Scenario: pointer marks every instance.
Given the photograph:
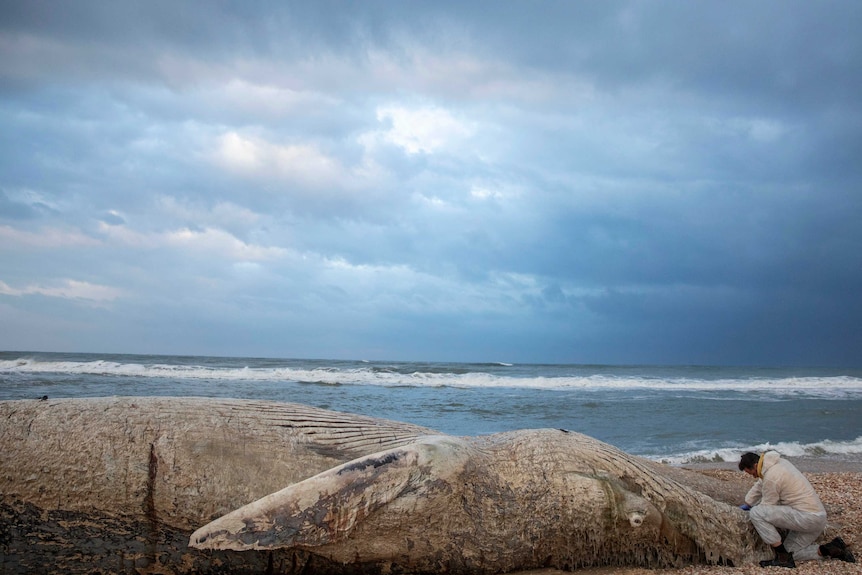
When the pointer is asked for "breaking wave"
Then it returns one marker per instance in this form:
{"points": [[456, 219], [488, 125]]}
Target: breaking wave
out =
{"points": [[496, 375], [819, 449]]}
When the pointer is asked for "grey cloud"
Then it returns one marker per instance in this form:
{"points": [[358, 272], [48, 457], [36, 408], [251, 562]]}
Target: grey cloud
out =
{"points": [[624, 181], [16, 209]]}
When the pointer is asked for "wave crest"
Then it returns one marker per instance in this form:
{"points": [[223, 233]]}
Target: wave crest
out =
{"points": [[448, 375]]}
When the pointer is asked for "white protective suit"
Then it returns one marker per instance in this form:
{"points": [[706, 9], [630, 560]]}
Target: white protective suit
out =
{"points": [[783, 498]]}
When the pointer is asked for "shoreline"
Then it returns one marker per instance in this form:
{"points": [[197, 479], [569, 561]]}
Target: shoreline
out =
{"points": [[849, 463]]}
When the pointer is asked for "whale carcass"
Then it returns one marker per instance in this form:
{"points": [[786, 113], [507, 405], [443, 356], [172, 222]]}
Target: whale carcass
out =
{"points": [[120, 484]]}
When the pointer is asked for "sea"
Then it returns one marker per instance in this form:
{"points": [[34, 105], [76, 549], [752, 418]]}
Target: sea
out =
{"points": [[673, 414]]}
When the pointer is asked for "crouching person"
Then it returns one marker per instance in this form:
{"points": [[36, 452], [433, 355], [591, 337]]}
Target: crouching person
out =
{"points": [[782, 498]]}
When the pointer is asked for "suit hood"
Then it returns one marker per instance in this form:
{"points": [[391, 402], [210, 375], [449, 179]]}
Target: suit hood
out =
{"points": [[767, 460]]}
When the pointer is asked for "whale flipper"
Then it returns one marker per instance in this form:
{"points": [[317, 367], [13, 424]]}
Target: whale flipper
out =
{"points": [[325, 508]]}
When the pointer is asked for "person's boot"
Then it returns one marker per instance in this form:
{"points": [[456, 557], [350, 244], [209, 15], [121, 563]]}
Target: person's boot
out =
{"points": [[783, 558], [837, 549]]}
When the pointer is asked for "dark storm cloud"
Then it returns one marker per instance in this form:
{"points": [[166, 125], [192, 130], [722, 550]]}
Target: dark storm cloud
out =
{"points": [[558, 181]]}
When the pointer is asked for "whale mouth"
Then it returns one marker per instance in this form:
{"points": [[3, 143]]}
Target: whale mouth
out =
{"points": [[199, 541], [204, 538]]}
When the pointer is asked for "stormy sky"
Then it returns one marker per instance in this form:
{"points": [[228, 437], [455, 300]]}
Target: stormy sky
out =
{"points": [[560, 182]]}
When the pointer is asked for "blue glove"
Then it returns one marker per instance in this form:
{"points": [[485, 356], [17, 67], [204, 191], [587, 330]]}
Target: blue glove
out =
{"points": [[745, 507]]}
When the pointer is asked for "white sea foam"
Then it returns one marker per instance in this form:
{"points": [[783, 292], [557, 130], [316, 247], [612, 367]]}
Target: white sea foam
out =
{"points": [[817, 449], [816, 386]]}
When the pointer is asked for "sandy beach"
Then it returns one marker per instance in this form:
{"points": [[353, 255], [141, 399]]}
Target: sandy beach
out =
{"points": [[839, 484]]}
